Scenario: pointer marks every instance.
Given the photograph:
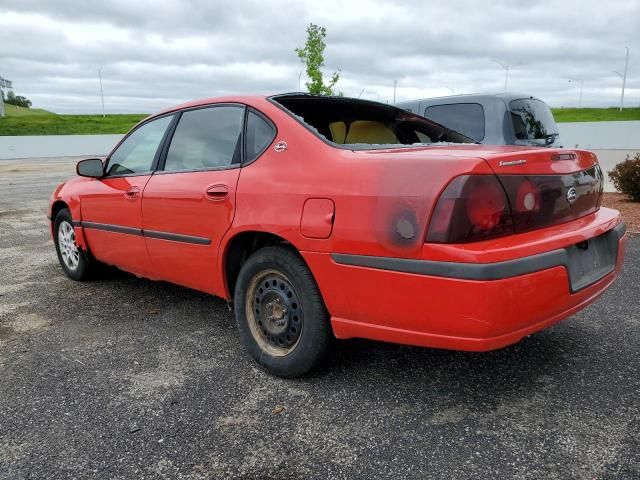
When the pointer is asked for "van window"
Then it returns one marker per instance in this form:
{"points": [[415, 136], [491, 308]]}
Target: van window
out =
{"points": [[532, 120], [466, 118]]}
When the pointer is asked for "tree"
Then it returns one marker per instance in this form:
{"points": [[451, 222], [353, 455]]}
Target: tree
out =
{"points": [[312, 56], [18, 100]]}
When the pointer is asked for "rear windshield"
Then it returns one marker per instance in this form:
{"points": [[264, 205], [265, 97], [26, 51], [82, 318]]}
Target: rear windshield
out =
{"points": [[361, 124], [466, 118], [532, 120]]}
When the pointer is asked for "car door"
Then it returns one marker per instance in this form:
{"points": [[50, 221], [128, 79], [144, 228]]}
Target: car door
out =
{"points": [[111, 206], [188, 204]]}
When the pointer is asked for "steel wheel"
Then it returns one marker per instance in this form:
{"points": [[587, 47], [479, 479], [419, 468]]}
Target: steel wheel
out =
{"points": [[274, 313], [67, 245]]}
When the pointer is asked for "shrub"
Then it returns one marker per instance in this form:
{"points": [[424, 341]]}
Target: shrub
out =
{"points": [[626, 177]]}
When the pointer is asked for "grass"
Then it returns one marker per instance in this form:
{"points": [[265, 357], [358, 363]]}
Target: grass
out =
{"points": [[34, 121], [595, 114]]}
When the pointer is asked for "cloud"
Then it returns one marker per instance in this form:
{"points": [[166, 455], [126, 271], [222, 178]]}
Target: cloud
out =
{"points": [[157, 53]]}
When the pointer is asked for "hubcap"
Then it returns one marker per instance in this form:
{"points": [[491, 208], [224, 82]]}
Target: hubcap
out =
{"points": [[67, 245], [274, 312]]}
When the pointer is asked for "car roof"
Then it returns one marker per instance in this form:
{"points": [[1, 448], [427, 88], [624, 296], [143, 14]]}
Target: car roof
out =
{"points": [[473, 98], [246, 99]]}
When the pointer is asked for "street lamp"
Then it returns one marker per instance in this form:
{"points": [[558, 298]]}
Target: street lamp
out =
{"points": [[623, 77], [506, 67], [581, 80], [101, 94]]}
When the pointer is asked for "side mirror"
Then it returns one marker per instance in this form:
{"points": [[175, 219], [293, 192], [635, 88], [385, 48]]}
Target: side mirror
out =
{"points": [[91, 167]]}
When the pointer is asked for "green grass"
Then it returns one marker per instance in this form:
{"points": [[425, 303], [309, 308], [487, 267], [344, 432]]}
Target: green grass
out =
{"points": [[595, 114], [23, 121], [35, 121]]}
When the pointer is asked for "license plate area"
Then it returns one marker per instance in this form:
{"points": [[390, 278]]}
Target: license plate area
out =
{"points": [[591, 260]]}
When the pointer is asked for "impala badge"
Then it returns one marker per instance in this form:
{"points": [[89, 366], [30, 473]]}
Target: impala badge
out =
{"points": [[572, 194], [280, 146], [511, 162]]}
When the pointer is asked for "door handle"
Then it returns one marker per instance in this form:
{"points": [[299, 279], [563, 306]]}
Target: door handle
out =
{"points": [[217, 192], [132, 193]]}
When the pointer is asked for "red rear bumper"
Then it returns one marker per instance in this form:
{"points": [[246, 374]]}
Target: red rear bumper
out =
{"points": [[458, 313]]}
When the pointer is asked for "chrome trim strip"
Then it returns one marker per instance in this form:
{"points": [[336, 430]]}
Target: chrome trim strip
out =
{"points": [[173, 237]]}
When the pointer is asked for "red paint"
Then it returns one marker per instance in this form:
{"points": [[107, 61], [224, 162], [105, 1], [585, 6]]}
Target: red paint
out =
{"points": [[325, 200]]}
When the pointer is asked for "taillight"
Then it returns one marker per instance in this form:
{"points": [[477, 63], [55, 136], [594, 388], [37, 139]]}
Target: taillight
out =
{"points": [[538, 201], [477, 207], [471, 208]]}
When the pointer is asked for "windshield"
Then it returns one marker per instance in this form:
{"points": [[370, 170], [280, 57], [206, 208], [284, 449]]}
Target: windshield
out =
{"points": [[361, 124], [532, 120]]}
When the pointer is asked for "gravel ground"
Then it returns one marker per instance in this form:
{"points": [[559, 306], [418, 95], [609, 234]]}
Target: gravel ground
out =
{"points": [[127, 378]]}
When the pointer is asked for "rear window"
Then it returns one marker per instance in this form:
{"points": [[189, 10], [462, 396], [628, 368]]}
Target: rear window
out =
{"points": [[532, 120], [466, 118], [362, 124]]}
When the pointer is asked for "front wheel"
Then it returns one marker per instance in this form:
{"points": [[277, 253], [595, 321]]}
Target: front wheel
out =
{"points": [[280, 313], [73, 260]]}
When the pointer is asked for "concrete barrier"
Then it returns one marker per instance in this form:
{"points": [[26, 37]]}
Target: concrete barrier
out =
{"points": [[100, 145], [601, 135], [56, 145]]}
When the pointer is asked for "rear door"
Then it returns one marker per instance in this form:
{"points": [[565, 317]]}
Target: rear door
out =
{"points": [[111, 207], [188, 204]]}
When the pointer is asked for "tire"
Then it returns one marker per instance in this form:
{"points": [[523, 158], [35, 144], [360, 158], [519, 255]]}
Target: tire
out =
{"points": [[280, 313], [74, 261]]}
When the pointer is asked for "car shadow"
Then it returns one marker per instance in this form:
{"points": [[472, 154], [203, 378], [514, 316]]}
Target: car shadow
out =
{"points": [[538, 361]]}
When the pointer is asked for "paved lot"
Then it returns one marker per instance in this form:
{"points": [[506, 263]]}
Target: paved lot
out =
{"points": [[127, 378]]}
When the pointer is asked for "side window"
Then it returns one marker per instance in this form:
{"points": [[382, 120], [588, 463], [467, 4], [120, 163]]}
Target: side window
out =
{"points": [[464, 118], [136, 153], [260, 134], [206, 138]]}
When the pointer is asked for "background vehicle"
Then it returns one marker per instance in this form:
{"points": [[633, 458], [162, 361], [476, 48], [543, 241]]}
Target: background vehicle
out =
{"points": [[501, 119], [323, 216]]}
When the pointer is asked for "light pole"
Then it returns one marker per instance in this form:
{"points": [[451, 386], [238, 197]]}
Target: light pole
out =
{"points": [[506, 67], [101, 94], [450, 89], [581, 80], [624, 77], [395, 84]]}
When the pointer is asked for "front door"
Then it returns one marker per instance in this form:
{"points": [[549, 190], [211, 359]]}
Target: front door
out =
{"points": [[111, 207], [188, 204]]}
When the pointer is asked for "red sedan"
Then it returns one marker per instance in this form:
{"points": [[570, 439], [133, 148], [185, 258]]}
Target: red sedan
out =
{"points": [[323, 217]]}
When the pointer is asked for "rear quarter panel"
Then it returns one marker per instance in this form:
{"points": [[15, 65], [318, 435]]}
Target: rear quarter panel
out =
{"points": [[383, 198]]}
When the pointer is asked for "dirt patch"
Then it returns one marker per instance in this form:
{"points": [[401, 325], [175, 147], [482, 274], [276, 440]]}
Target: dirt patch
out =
{"points": [[630, 210], [5, 332], [28, 322]]}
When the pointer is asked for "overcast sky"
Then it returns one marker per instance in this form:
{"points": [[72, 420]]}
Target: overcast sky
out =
{"points": [[158, 53]]}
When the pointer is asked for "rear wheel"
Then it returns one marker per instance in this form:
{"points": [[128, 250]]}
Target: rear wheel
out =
{"points": [[73, 260], [280, 313]]}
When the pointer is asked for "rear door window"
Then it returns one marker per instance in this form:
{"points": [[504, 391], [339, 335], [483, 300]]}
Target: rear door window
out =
{"points": [[532, 120], [260, 134], [465, 118], [206, 139]]}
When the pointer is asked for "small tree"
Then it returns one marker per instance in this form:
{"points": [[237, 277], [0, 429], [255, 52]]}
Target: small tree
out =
{"points": [[18, 100], [312, 56], [626, 177]]}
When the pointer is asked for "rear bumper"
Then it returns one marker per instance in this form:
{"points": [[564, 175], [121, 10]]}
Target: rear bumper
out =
{"points": [[454, 305]]}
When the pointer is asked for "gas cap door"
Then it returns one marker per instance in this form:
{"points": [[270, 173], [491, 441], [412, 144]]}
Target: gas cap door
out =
{"points": [[317, 218]]}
